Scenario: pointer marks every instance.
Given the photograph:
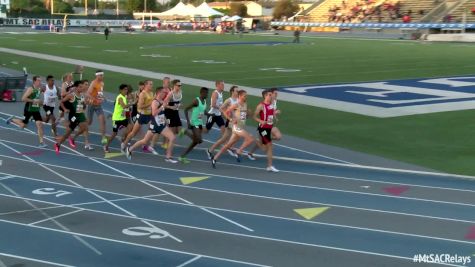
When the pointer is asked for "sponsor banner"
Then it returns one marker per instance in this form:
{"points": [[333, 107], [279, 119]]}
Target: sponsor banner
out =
{"points": [[71, 22], [391, 98]]}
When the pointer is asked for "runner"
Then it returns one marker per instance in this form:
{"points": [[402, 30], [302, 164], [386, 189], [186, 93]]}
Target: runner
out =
{"points": [[276, 134], [95, 97], [195, 125], [228, 126], [215, 117], [49, 103], [76, 116], [32, 100], [157, 126], [134, 98], [240, 113], [119, 117], [171, 109], [65, 88], [144, 108], [264, 115], [166, 91]]}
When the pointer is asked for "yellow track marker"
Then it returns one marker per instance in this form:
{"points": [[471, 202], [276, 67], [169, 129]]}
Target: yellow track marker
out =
{"points": [[190, 180], [311, 213]]}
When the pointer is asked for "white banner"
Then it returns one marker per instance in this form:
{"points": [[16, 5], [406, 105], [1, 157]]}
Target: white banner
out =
{"points": [[70, 22]]}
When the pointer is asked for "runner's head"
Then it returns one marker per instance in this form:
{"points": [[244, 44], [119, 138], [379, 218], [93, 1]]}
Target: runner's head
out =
{"points": [[50, 80], [242, 95], [67, 77], [123, 89], [274, 93], [267, 95], [141, 86], [219, 85], [99, 75], [176, 85], [166, 82], [147, 85], [36, 81], [204, 92], [159, 92], [234, 91], [85, 83]]}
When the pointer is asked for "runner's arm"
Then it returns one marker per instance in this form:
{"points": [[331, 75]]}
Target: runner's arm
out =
{"points": [[192, 105], [257, 114], [27, 94]]}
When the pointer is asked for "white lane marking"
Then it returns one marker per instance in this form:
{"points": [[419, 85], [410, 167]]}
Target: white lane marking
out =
{"points": [[130, 243], [55, 217], [254, 214], [35, 260], [79, 239], [189, 261]]}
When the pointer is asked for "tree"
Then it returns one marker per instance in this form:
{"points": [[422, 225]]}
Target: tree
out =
{"points": [[62, 7], [238, 9], [138, 5], [285, 8], [20, 5]]}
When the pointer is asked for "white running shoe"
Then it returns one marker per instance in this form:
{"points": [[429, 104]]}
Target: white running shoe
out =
{"points": [[128, 154], [88, 147], [231, 153], [271, 169], [42, 145], [151, 149], [209, 154], [250, 156], [170, 160]]}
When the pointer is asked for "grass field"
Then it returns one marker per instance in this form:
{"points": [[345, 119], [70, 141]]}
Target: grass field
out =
{"points": [[442, 141]]}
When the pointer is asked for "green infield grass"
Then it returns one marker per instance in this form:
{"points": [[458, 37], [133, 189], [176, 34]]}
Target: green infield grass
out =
{"points": [[441, 141]]}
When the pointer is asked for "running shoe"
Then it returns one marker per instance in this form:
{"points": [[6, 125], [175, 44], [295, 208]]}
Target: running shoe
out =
{"points": [[181, 132], [238, 157], [170, 160], [271, 169], [42, 145], [106, 149], [151, 149], [56, 148], [128, 154], [250, 156], [9, 120], [231, 153], [183, 160], [104, 140], [122, 148], [213, 162], [209, 154], [88, 147], [71, 142]]}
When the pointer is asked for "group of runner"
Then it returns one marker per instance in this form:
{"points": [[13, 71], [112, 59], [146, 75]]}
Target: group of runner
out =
{"points": [[155, 111]]}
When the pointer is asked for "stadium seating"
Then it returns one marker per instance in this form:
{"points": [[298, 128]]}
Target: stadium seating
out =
{"points": [[457, 14], [416, 8]]}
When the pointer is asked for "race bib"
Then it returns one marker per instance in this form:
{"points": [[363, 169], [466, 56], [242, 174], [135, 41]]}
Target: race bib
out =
{"points": [[243, 115], [48, 112], [270, 119], [73, 119], [35, 105], [264, 133], [80, 108], [200, 116], [161, 120], [150, 126]]}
